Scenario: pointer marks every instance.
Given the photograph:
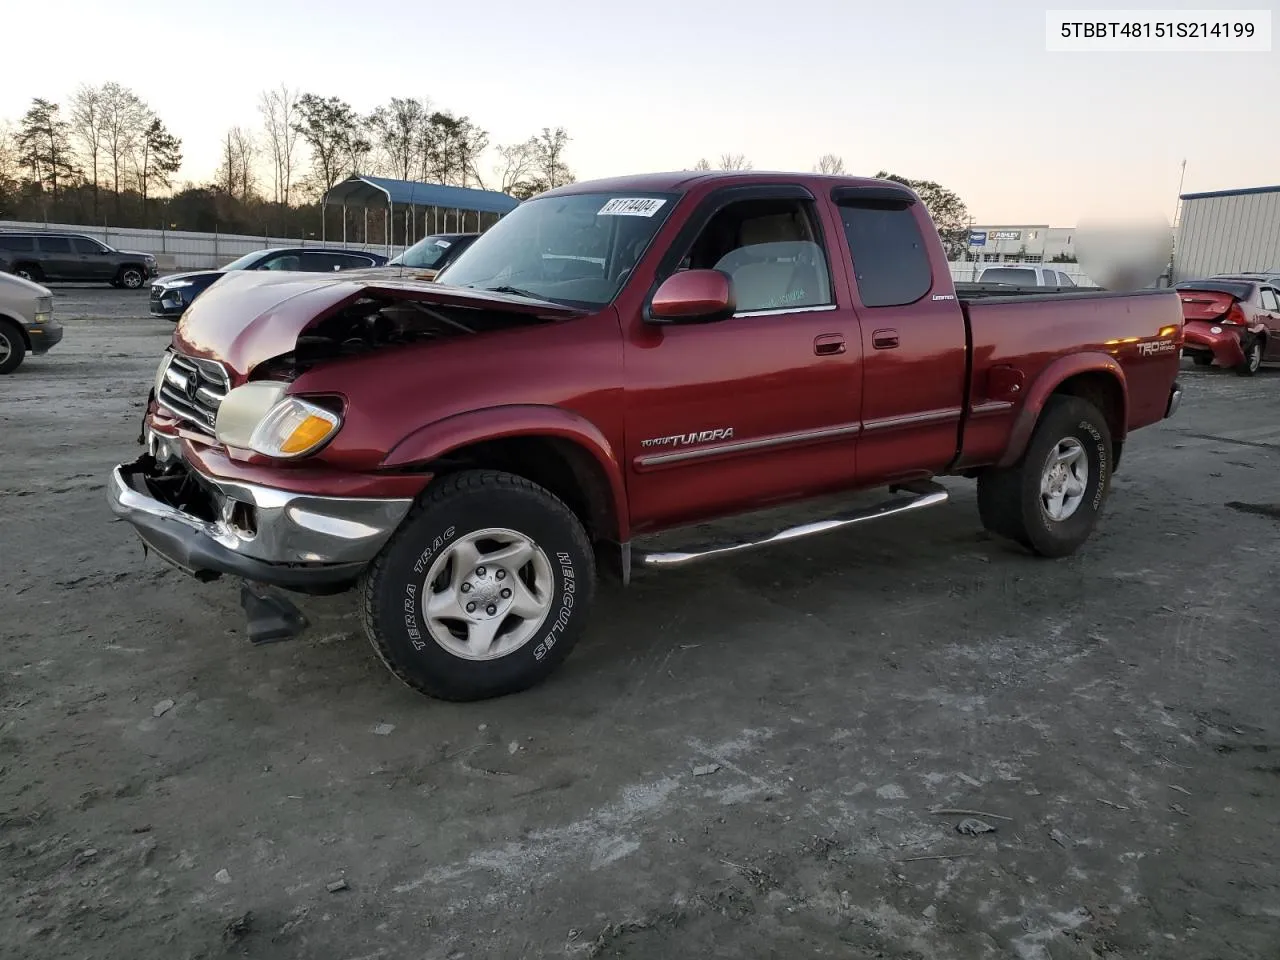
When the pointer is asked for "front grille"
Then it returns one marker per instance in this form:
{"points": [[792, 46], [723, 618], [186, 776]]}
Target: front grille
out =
{"points": [[156, 292], [193, 389]]}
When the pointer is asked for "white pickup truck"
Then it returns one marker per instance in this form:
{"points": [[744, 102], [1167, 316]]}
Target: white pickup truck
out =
{"points": [[1026, 275], [26, 321]]}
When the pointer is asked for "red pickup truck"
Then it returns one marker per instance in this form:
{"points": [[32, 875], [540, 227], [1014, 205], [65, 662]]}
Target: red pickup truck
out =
{"points": [[611, 360]]}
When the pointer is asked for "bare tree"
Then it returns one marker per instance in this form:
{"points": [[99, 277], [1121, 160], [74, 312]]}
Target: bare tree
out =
{"points": [[830, 163], [124, 120], [548, 150], [10, 164], [515, 165], [702, 164], [235, 171], [279, 109], [734, 161], [87, 132]]}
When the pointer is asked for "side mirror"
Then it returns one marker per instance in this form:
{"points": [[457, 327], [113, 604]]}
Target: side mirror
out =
{"points": [[693, 296]]}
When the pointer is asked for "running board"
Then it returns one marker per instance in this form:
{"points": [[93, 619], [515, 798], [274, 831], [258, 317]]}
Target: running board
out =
{"points": [[923, 495]]}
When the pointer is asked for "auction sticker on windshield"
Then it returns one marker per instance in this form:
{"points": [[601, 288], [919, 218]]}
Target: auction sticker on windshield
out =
{"points": [[633, 207]]}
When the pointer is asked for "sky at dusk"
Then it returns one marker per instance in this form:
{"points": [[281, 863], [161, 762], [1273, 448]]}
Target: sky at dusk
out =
{"points": [[964, 94]]}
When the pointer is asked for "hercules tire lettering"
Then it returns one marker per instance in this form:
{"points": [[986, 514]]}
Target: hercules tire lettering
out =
{"points": [[1009, 500], [392, 589]]}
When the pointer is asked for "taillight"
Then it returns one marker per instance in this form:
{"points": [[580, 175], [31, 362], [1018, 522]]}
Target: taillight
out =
{"points": [[1235, 316]]}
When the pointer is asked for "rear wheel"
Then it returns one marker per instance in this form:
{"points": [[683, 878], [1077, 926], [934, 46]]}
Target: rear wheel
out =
{"points": [[28, 271], [12, 347], [1253, 349], [1051, 500], [131, 278], [484, 589]]}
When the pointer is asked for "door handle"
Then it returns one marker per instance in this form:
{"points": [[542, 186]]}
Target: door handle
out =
{"points": [[885, 339], [828, 344]]}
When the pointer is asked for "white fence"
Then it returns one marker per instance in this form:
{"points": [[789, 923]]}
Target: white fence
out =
{"points": [[182, 250]]}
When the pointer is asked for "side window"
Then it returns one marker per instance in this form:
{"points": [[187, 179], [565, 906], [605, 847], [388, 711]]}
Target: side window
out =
{"points": [[317, 263], [55, 244], [1269, 301], [86, 247], [18, 244], [771, 249], [1064, 280], [283, 261], [890, 262], [349, 261]]}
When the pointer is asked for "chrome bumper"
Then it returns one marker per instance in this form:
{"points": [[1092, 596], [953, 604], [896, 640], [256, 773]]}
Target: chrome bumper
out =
{"points": [[260, 533]]}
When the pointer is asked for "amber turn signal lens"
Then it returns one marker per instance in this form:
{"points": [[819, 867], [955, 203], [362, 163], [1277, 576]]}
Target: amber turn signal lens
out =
{"points": [[306, 435]]}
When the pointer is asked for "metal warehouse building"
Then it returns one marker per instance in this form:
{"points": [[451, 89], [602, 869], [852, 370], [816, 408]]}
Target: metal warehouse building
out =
{"points": [[1228, 231]]}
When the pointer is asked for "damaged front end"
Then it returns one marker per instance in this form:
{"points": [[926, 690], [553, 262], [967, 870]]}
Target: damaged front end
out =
{"points": [[247, 473], [210, 528]]}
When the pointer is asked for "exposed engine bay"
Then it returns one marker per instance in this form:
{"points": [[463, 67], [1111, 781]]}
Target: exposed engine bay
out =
{"points": [[380, 320]]}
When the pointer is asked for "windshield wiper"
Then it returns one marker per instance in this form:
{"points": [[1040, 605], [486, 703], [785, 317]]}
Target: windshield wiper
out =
{"points": [[513, 290]]}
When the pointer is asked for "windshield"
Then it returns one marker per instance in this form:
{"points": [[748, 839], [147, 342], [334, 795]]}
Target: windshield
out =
{"points": [[243, 263], [426, 253], [576, 249]]}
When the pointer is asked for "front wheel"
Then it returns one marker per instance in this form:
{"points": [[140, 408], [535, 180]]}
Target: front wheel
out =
{"points": [[131, 278], [1052, 499], [12, 348], [483, 591], [1253, 347], [1202, 359]]}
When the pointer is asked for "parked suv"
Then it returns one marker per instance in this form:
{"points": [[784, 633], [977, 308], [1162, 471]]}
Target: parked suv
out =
{"points": [[73, 257], [171, 295]]}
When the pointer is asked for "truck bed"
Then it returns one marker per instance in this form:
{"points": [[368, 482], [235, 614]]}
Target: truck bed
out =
{"points": [[1025, 335]]}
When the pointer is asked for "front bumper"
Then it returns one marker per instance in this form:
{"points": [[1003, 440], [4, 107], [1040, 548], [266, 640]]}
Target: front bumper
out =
{"points": [[209, 527], [43, 336], [1220, 340]]}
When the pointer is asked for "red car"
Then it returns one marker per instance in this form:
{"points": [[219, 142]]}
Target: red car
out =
{"points": [[612, 360], [1233, 321]]}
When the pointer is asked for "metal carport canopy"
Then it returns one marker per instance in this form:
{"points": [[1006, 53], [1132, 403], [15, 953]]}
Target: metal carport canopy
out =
{"points": [[360, 191]]}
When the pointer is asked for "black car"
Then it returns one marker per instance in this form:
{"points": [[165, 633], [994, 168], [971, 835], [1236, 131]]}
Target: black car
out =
{"points": [[171, 295], [41, 256]]}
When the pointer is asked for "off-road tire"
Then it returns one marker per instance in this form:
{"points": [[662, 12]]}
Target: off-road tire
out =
{"points": [[1202, 359], [17, 347], [131, 278], [458, 504], [28, 271], [1009, 501], [1254, 349]]}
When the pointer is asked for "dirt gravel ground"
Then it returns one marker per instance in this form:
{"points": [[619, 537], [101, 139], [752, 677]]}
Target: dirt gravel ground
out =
{"points": [[738, 761]]}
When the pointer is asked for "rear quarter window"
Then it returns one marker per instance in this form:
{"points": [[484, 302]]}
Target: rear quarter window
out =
{"points": [[890, 264], [18, 244]]}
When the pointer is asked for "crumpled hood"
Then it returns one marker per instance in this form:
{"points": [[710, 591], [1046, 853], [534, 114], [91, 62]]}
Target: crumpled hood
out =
{"points": [[251, 316]]}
